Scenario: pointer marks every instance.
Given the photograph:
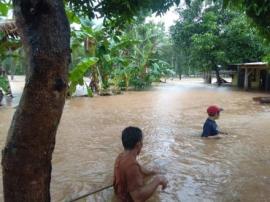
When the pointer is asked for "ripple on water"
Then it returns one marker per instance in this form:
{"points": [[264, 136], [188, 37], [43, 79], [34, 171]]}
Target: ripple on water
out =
{"points": [[234, 168]]}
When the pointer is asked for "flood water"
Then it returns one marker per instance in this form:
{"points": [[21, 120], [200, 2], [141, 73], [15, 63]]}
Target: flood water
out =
{"points": [[234, 168]]}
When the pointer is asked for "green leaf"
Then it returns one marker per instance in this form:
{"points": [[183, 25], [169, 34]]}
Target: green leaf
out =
{"points": [[72, 17], [4, 8], [107, 57], [89, 91], [77, 74], [4, 83]]}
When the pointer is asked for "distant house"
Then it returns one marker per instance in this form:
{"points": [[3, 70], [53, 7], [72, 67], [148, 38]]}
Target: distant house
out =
{"points": [[255, 75]]}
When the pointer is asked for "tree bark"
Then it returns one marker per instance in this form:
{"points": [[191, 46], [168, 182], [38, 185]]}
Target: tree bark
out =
{"points": [[219, 80], [208, 77], [94, 81], [1, 97], [26, 158]]}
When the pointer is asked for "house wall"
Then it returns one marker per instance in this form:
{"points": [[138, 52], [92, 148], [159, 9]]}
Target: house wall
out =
{"points": [[258, 80], [255, 79], [234, 79], [240, 78]]}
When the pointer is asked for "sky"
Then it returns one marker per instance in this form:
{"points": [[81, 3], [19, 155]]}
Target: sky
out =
{"points": [[168, 18]]}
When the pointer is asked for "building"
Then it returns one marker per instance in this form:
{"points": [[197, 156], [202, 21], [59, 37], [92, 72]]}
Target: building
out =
{"points": [[255, 75]]}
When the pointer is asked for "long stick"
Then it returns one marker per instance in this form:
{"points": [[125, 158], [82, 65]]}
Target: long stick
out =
{"points": [[90, 193]]}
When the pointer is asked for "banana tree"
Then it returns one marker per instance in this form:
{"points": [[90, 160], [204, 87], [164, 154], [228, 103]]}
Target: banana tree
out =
{"points": [[84, 62], [77, 74], [9, 45], [126, 57], [148, 61]]}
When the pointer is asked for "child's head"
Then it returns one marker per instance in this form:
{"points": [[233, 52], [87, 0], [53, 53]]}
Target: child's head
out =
{"points": [[132, 138], [213, 111]]}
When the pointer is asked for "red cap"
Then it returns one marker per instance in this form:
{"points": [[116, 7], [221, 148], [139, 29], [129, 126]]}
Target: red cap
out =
{"points": [[213, 110]]}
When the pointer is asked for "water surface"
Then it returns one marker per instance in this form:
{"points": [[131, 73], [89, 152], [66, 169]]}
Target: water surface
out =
{"points": [[235, 168]]}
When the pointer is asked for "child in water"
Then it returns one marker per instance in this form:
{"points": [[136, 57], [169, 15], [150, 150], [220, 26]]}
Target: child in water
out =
{"points": [[129, 174], [210, 128]]}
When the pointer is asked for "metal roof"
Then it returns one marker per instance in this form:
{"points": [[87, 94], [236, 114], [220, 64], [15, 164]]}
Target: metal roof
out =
{"points": [[254, 65]]}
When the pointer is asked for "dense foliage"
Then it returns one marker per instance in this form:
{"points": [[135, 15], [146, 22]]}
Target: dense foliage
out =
{"points": [[129, 57], [122, 10], [207, 36], [258, 11]]}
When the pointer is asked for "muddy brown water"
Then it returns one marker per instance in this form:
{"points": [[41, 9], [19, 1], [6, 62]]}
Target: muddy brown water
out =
{"points": [[234, 168]]}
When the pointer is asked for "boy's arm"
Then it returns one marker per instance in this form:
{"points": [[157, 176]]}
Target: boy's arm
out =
{"points": [[143, 193], [148, 172], [138, 191]]}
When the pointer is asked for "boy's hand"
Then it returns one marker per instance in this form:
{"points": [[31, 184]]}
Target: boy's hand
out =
{"points": [[162, 181], [155, 171]]}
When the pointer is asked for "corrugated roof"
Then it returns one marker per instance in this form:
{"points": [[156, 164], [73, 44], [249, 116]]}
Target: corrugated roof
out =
{"points": [[254, 63]]}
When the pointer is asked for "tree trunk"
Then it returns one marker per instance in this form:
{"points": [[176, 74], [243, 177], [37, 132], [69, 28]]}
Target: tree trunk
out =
{"points": [[26, 158], [1, 97], [10, 64], [9, 92], [219, 80], [208, 77], [94, 81]]}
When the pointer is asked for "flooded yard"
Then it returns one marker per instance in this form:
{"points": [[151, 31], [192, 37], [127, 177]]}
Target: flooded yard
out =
{"points": [[234, 168]]}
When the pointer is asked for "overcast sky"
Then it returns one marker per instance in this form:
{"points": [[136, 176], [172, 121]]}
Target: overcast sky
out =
{"points": [[168, 18]]}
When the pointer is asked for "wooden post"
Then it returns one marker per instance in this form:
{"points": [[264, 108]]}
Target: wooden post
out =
{"points": [[267, 81], [246, 79], [247, 73]]}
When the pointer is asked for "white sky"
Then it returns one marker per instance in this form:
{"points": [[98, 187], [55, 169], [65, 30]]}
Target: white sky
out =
{"points": [[168, 18]]}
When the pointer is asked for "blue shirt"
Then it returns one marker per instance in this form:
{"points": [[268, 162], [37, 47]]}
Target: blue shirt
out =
{"points": [[210, 128]]}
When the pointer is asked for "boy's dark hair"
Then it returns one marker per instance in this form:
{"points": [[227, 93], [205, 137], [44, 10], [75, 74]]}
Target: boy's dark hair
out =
{"points": [[130, 137]]}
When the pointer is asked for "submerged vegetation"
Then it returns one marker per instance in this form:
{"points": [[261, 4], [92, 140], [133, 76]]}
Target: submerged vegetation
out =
{"points": [[132, 53], [126, 57]]}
